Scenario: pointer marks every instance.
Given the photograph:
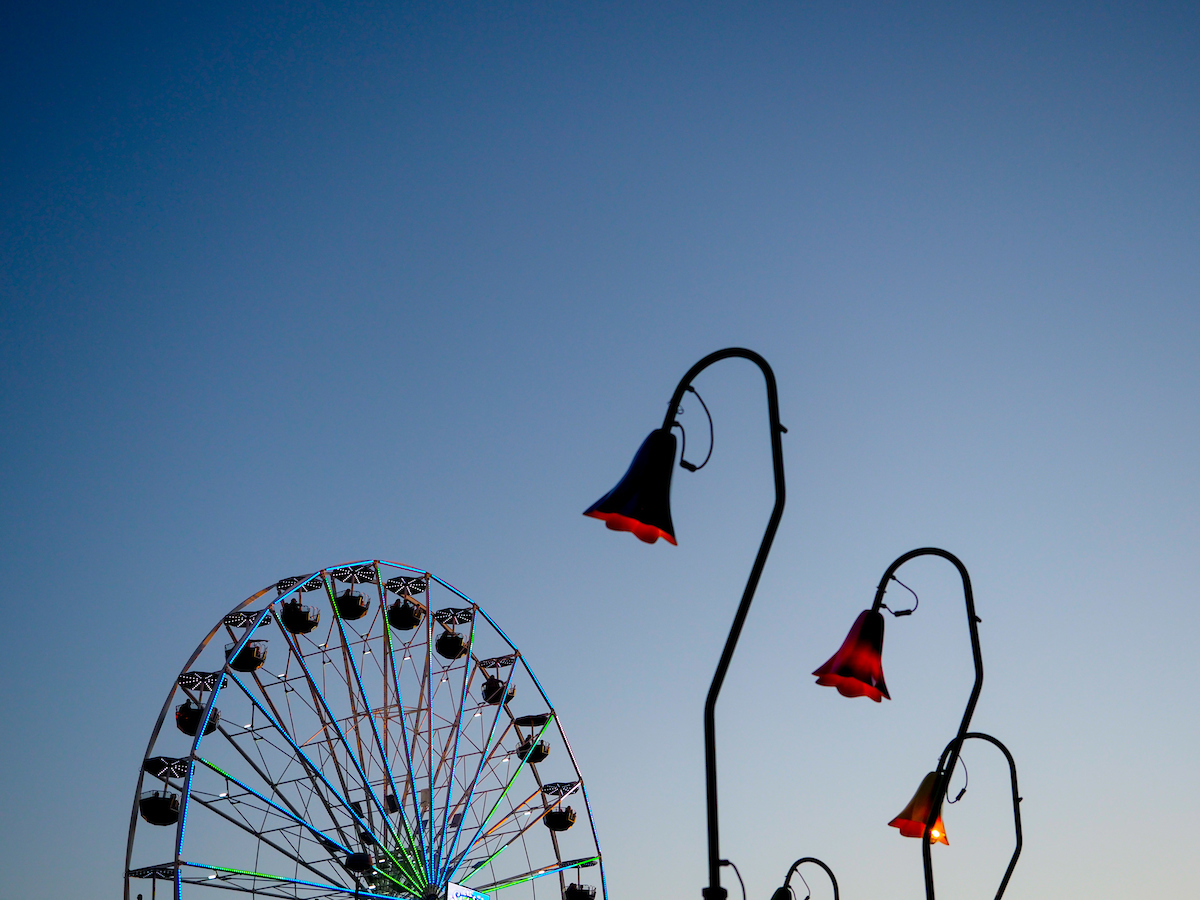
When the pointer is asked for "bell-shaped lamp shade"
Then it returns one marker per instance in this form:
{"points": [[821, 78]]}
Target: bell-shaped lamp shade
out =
{"points": [[641, 501], [856, 670], [911, 821]]}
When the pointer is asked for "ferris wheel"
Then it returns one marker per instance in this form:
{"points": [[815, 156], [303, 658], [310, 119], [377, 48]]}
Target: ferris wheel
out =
{"points": [[368, 731]]}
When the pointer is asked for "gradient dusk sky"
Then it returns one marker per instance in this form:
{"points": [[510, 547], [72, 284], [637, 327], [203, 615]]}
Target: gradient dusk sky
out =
{"points": [[287, 285]]}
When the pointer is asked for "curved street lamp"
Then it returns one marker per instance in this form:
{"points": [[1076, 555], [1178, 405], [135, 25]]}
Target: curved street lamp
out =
{"points": [[785, 892], [641, 504], [919, 803], [856, 670]]}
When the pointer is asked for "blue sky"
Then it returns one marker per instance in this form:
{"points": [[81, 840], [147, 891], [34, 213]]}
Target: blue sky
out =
{"points": [[290, 286]]}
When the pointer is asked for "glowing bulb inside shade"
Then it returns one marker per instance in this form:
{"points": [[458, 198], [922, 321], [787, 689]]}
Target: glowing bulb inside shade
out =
{"points": [[935, 834]]}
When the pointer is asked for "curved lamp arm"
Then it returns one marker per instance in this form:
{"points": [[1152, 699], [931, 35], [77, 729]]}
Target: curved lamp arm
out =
{"points": [[714, 891], [1016, 796], [809, 859], [952, 751]]}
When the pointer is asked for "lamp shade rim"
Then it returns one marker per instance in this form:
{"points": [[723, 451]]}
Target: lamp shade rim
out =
{"points": [[640, 530], [849, 686], [911, 828]]}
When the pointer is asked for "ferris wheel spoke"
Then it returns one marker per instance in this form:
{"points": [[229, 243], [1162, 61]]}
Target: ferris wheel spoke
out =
{"points": [[261, 740], [512, 779], [513, 881], [428, 695], [468, 675], [308, 779], [511, 816], [329, 720], [332, 721], [290, 814], [486, 753], [391, 653], [383, 755], [547, 807], [313, 707], [342, 800], [223, 884], [333, 890], [249, 828], [347, 661]]}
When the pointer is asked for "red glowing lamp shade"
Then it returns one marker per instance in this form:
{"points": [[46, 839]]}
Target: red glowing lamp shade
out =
{"points": [[856, 670], [911, 821], [641, 501]]}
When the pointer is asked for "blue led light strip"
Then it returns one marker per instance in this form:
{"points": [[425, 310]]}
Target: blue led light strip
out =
{"points": [[371, 718], [412, 780], [484, 756], [334, 791], [355, 892], [496, 805], [187, 784], [437, 863]]}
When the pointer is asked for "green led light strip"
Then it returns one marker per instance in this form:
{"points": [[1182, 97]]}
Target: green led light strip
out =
{"points": [[331, 594], [579, 864], [264, 875], [511, 781], [418, 877]]}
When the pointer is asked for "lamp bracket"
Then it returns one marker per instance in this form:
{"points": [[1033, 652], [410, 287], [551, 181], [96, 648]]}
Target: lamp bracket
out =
{"points": [[683, 463], [903, 612]]}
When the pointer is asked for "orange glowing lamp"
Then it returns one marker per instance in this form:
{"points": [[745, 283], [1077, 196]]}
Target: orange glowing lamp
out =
{"points": [[856, 670], [912, 819]]}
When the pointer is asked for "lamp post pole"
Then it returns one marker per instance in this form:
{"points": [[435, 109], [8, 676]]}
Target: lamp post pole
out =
{"points": [[640, 503], [1016, 796], [950, 756], [714, 891]]}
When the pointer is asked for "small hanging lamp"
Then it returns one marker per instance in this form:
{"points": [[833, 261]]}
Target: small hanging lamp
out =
{"points": [[641, 501], [856, 670], [913, 818]]}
